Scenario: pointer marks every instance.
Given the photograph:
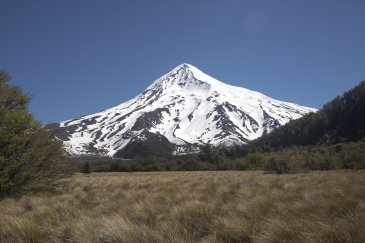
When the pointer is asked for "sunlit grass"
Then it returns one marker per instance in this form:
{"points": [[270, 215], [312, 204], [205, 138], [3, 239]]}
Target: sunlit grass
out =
{"points": [[192, 207]]}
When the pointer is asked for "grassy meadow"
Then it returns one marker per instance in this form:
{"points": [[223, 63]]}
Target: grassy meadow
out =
{"points": [[192, 207]]}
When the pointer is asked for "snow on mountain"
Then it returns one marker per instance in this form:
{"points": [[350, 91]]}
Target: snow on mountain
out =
{"points": [[187, 107]]}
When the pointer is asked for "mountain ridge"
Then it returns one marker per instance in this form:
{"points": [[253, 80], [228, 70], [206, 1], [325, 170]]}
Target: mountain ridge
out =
{"points": [[186, 106]]}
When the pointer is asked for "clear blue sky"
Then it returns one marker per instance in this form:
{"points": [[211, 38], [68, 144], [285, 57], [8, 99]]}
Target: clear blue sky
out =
{"points": [[79, 57]]}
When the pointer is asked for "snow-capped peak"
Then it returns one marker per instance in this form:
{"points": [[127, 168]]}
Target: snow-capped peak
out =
{"points": [[185, 106], [186, 74]]}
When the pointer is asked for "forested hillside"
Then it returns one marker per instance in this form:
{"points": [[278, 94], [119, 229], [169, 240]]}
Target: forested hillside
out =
{"points": [[341, 120]]}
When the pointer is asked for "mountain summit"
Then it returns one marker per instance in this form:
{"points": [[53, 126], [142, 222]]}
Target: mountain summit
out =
{"points": [[181, 111]]}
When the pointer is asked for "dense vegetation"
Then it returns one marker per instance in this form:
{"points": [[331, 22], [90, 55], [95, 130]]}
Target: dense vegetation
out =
{"points": [[28, 157], [192, 207], [295, 159]]}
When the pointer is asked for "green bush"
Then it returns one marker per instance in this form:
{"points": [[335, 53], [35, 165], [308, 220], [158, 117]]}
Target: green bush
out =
{"points": [[278, 165], [85, 168], [255, 160]]}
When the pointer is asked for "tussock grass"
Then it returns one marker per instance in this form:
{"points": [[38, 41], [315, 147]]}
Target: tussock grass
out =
{"points": [[192, 207]]}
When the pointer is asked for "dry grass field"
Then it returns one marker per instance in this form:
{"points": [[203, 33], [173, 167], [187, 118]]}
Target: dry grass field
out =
{"points": [[192, 207]]}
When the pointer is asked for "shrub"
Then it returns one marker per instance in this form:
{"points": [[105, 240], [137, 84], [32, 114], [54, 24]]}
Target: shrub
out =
{"points": [[241, 165], [85, 168], [327, 163], [255, 160], [277, 165]]}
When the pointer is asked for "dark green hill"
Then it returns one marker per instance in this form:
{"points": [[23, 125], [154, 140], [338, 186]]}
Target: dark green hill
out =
{"points": [[340, 120]]}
